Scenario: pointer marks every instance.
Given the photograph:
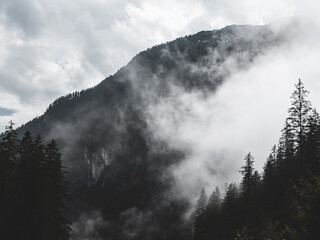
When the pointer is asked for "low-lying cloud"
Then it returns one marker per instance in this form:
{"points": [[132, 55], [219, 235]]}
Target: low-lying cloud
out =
{"points": [[246, 114]]}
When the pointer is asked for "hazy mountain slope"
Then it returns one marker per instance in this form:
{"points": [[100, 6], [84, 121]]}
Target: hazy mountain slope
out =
{"points": [[115, 163], [201, 61]]}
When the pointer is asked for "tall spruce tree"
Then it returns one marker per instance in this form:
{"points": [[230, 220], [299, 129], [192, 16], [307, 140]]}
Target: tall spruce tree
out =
{"points": [[8, 166], [199, 217], [230, 212], [57, 225], [287, 145], [271, 164], [30, 187], [298, 120], [270, 179], [213, 214], [248, 173]]}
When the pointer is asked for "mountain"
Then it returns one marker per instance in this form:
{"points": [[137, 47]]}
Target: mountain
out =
{"points": [[118, 171]]}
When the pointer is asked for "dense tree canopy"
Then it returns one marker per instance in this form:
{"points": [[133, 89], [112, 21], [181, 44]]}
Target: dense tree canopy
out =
{"points": [[32, 189]]}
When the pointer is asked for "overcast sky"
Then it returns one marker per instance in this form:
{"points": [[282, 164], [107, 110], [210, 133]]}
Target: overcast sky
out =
{"points": [[50, 48]]}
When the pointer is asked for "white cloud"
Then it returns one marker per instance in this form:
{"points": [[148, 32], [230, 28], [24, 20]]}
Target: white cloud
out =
{"points": [[50, 48]]}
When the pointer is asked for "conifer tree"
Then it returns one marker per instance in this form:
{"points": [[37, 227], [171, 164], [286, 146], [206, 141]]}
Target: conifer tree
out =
{"points": [[248, 173], [230, 212], [231, 196], [199, 217], [287, 145], [57, 226], [30, 189], [271, 164], [298, 120], [9, 157], [8, 165], [213, 214], [270, 179], [215, 199]]}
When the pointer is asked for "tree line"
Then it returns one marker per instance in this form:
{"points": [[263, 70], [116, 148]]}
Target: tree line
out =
{"points": [[281, 203], [33, 189]]}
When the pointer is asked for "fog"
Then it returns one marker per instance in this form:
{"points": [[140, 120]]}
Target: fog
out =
{"points": [[215, 130], [246, 114]]}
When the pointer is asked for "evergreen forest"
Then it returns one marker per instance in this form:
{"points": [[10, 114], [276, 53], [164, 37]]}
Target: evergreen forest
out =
{"points": [[33, 190], [283, 201]]}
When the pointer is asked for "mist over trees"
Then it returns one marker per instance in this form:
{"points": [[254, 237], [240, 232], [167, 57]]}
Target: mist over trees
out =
{"points": [[283, 203], [117, 166], [280, 203], [122, 176], [33, 189]]}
